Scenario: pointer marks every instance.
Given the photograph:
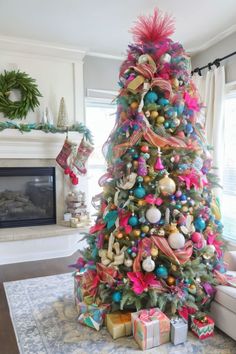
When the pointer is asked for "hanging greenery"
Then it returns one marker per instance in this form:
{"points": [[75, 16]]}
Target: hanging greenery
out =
{"points": [[16, 80], [48, 128]]}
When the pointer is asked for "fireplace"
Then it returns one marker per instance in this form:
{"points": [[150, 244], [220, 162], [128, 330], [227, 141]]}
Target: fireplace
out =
{"points": [[27, 196]]}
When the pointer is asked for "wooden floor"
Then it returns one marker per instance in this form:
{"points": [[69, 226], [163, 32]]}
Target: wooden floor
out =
{"points": [[20, 271]]}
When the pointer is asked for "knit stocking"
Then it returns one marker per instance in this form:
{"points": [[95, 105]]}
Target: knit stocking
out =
{"points": [[63, 155], [83, 153]]}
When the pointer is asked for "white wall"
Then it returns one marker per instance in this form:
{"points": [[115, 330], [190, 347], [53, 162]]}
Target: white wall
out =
{"points": [[101, 74], [58, 73], [224, 47]]}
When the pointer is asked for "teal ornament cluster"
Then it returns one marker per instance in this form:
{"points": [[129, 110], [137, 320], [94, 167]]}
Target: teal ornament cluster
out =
{"points": [[133, 220]]}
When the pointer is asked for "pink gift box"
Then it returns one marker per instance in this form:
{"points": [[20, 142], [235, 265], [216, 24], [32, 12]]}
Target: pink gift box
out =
{"points": [[151, 328]]}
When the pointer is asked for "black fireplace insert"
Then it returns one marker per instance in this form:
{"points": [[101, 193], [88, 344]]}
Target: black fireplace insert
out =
{"points": [[27, 196]]}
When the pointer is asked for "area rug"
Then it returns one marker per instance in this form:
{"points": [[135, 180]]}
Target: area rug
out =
{"points": [[44, 318]]}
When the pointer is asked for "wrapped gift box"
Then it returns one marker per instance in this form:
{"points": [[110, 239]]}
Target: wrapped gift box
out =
{"points": [[150, 328], [92, 315], [179, 331], [81, 290], [119, 324], [77, 288], [202, 328]]}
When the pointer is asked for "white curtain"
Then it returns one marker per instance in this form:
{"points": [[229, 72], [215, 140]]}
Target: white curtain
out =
{"points": [[212, 91]]}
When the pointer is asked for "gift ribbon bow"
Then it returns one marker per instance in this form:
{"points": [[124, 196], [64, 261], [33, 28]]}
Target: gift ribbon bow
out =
{"points": [[149, 315]]}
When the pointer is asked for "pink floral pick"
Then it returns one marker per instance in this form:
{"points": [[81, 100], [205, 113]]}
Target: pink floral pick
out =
{"points": [[142, 282], [191, 102]]}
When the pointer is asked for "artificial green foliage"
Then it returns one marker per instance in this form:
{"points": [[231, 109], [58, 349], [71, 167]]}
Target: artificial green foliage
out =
{"points": [[17, 80], [48, 128]]}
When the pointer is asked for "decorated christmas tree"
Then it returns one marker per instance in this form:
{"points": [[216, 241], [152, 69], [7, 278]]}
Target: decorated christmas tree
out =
{"points": [[157, 238]]}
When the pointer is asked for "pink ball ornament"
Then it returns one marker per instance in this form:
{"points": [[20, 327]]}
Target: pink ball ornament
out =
{"points": [[178, 194], [180, 134], [196, 237], [176, 158]]}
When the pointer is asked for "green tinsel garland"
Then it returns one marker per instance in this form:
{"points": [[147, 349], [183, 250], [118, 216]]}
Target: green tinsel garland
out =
{"points": [[48, 128]]}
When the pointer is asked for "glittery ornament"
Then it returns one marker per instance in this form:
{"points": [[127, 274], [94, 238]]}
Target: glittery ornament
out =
{"points": [[170, 280], [148, 264], [167, 186], [154, 252], [139, 192], [153, 214], [142, 166], [176, 240]]}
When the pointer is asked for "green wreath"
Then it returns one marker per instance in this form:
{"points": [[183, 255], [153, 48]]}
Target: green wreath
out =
{"points": [[16, 80]]}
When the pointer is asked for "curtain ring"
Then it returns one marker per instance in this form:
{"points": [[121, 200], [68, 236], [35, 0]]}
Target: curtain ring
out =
{"points": [[209, 66], [217, 63]]}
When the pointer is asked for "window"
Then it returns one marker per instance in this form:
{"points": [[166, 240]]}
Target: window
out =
{"points": [[100, 119], [228, 203]]}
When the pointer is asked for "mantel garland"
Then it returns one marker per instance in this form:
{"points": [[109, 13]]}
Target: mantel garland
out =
{"points": [[48, 128], [10, 80]]}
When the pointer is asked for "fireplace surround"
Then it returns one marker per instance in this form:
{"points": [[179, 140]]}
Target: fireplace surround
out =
{"points": [[28, 243], [27, 196]]}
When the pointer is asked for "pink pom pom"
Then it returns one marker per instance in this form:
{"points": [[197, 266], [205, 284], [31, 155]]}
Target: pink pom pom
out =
{"points": [[153, 28]]}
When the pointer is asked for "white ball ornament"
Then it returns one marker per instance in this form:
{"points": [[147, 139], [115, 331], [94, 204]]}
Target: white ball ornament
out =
{"points": [[165, 58], [148, 264], [153, 215], [176, 240]]}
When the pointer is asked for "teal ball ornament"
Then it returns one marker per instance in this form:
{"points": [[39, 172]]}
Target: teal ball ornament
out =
{"points": [[200, 224], [139, 192], [116, 296], [151, 97], [161, 272], [133, 220], [163, 101]]}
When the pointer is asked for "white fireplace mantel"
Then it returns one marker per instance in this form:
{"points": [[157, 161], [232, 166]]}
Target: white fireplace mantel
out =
{"points": [[35, 144]]}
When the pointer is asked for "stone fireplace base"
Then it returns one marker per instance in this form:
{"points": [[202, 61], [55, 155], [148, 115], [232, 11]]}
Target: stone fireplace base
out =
{"points": [[23, 244]]}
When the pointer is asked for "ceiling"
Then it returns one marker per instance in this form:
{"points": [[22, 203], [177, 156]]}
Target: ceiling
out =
{"points": [[101, 26]]}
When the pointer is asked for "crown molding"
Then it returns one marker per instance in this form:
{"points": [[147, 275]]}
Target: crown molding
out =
{"points": [[214, 40], [42, 49], [105, 55]]}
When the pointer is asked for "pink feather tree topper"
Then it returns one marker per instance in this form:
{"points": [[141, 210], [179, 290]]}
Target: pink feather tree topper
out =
{"points": [[153, 28]]}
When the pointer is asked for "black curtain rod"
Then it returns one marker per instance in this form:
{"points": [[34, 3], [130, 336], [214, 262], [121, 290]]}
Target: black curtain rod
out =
{"points": [[216, 62]]}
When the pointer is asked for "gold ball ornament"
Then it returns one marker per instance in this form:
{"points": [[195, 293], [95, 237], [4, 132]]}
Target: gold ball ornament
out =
{"points": [[167, 186], [136, 233], [135, 164], [146, 179], [134, 105], [106, 237], [175, 82], [154, 114], [160, 120], [170, 280], [141, 202], [174, 267], [123, 116], [154, 252], [145, 228]]}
